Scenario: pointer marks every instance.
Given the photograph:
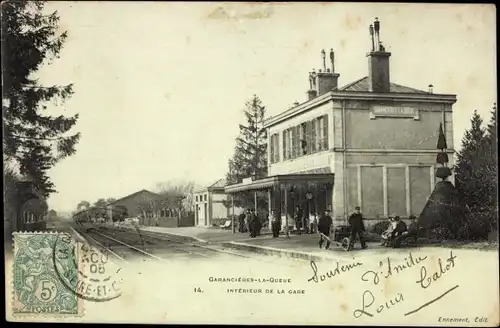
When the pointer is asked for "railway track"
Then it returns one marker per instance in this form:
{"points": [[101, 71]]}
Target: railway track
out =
{"points": [[126, 244]]}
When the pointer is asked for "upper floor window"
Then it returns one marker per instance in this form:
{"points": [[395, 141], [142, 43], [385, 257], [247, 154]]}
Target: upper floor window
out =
{"points": [[307, 138], [274, 149]]}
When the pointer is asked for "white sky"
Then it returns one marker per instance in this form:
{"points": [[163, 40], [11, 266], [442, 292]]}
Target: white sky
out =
{"points": [[160, 87]]}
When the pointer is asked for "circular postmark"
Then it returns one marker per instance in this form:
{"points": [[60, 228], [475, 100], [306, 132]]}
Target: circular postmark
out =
{"points": [[85, 270]]}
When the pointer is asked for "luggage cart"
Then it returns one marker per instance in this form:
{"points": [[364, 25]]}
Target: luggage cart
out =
{"points": [[341, 236]]}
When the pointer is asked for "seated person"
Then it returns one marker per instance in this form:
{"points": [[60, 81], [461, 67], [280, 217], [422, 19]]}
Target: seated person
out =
{"points": [[398, 231], [413, 227], [387, 233]]}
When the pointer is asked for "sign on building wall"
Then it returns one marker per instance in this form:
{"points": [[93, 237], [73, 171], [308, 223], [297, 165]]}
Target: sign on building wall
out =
{"points": [[391, 111]]}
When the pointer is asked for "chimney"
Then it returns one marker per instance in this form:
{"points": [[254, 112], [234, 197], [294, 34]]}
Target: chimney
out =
{"points": [[312, 92], [327, 80], [378, 62]]}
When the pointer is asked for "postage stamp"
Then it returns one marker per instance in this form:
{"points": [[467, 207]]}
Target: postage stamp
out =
{"points": [[37, 269]]}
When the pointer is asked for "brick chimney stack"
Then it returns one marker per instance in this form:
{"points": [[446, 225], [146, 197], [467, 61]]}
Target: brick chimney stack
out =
{"points": [[325, 80], [378, 62]]}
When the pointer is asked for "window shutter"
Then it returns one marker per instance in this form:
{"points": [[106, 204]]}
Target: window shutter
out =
{"points": [[276, 148], [308, 136], [290, 142], [271, 149], [298, 134], [293, 143], [313, 136], [319, 134], [325, 132], [284, 146]]}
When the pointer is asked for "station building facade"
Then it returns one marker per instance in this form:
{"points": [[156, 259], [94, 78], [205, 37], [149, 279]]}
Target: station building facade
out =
{"points": [[370, 143], [211, 205]]}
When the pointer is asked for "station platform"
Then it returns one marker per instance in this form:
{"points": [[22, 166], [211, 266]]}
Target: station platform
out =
{"points": [[199, 234], [304, 246]]}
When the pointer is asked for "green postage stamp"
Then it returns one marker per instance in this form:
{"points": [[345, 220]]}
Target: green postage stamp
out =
{"points": [[45, 275]]}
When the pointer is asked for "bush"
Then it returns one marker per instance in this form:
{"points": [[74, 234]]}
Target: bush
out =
{"points": [[380, 227], [476, 226]]}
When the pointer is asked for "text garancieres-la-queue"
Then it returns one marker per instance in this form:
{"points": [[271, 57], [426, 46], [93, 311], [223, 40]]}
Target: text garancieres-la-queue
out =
{"points": [[243, 279]]}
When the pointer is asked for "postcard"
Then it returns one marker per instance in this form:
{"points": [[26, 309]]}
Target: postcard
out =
{"points": [[250, 163]]}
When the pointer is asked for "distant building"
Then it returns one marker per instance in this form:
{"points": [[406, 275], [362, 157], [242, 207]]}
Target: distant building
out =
{"points": [[370, 143], [143, 202], [211, 204], [151, 207]]}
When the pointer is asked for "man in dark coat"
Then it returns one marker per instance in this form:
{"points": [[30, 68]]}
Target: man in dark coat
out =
{"points": [[275, 224], [324, 226], [357, 228], [298, 219], [241, 223], [398, 231], [253, 223], [257, 224], [249, 222]]}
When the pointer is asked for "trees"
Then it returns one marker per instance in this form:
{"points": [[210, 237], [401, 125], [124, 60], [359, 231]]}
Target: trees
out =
{"points": [[33, 139], [83, 205], [491, 169], [173, 192], [469, 170], [476, 177], [250, 154]]}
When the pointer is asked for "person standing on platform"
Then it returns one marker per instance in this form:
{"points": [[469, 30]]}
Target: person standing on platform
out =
{"points": [[258, 223], [298, 219], [313, 222], [357, 228], [253, 224], [324, 226], [241, 223], [274, 224], [248, 219]]}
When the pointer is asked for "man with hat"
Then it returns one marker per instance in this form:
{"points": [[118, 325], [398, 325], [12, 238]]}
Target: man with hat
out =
{"points": [[357, 228], [324, 225], [398, 231]]}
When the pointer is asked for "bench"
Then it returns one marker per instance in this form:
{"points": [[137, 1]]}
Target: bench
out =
{"points": [[226, 225]]}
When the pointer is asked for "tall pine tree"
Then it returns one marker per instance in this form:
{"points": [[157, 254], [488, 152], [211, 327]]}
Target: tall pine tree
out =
{"points": [[470, 173], [490, 186], [33, 139], [250, 155]]}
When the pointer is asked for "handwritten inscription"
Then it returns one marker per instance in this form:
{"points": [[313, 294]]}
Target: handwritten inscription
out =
{"points": [[387, 269], [330, 273], [369, 299], [426, 281]]}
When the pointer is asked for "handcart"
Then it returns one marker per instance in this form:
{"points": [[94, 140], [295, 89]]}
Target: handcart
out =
{"points": [[341, 236]]}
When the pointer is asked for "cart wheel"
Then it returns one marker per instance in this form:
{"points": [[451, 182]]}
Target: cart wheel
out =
{"points": [[345, 243]]}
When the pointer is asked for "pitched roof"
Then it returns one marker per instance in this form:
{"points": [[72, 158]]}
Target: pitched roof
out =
{"points": [[221, 183], [361, 85], [135, 194], [217, 184]]}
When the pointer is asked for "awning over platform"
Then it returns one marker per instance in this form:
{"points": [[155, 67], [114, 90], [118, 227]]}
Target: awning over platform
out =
{"points": [[277, 180]]}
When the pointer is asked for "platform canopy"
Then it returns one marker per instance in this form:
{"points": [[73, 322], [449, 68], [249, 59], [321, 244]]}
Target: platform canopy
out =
{"points": [[277, 180]]}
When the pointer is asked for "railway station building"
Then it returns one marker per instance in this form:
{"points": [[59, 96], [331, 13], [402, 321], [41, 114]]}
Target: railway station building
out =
{"points": [[370, 143], [211, 207]]}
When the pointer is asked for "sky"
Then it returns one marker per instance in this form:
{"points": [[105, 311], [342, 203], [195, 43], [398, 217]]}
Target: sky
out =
{"points": [[160, 87]]}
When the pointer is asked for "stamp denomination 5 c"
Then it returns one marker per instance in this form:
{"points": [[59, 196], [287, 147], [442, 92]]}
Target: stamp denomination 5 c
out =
{"points": [[38, 290]]}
